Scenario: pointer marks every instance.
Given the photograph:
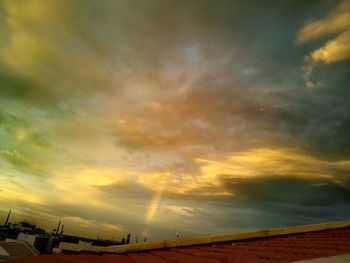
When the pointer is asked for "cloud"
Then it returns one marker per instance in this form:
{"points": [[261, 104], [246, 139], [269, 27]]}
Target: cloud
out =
{"points": [[337, 21], [25, 45], [15, 191], [287, 190], [150, 111], [289, 201], [18, 87], [258, 163], [334, 50]]}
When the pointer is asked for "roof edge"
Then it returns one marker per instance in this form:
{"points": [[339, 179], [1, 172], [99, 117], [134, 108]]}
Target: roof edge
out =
{"points": [[201, 240], [29, 246], [26, 244]]}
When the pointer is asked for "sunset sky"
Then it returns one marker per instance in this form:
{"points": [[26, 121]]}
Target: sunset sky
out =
{"points": [[151, 117]]}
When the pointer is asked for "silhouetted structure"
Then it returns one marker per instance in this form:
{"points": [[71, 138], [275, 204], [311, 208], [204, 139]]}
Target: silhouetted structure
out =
{"points": [[61, 232], [58, 227], [45, 242], [7, 219]]}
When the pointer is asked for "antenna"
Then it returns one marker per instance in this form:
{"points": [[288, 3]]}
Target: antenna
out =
{"points": [[7, 219], [62, 230], [128, 239], [58, 227]]}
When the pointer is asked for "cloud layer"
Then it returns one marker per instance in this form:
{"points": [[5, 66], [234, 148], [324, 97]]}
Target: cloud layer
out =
{"points": [[123, 116]]}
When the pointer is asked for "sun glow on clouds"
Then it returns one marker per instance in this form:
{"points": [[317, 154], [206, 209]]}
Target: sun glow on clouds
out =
{"points": [[131, 108], [262, 162], [83, 183], [267, 162], [13, 191]]}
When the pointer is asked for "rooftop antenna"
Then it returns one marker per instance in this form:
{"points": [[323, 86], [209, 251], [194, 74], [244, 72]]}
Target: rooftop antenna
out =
{"points": [[62, 230], [128, 239], [7, 219], [58, 227]]}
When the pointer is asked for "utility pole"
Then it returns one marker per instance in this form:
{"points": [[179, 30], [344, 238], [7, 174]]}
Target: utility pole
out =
{"points": [[7, 219]]}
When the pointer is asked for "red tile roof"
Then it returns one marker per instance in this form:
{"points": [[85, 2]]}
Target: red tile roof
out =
{"points": [[287, 248]]}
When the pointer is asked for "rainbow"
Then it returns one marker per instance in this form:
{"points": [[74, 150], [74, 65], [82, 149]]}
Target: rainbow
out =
{"points": [[153, 205]]}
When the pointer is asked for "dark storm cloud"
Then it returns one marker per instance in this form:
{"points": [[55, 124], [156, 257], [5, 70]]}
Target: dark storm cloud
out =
{"points": [[296, 200], [288, 190], [315, 119], [271, 202]]}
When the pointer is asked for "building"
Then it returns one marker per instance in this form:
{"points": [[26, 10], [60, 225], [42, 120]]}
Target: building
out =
{"points": [[29, 238], [290, 244]]}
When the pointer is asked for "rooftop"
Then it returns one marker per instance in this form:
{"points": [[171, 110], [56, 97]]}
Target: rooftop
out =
{"points": [[16, 250], [267, 246]]}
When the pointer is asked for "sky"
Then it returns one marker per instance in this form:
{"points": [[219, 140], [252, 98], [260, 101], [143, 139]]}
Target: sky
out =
{"points": [[152, 117]]}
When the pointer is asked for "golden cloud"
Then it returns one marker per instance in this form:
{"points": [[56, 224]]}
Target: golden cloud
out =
{"points": [[337, 49], [27, 44], [334, 50], [15, 191], [336, 22], [267, 162]]}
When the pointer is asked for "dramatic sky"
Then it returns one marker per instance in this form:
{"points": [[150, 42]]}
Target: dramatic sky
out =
{"points": [[152, 117]]}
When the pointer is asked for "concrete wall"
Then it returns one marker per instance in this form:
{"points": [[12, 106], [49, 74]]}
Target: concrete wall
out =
{"points": [[30, 239]]}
